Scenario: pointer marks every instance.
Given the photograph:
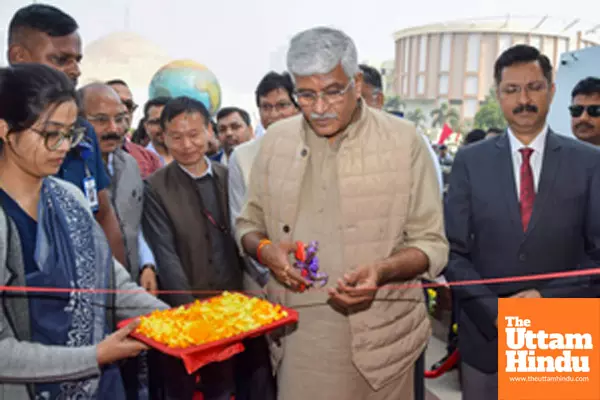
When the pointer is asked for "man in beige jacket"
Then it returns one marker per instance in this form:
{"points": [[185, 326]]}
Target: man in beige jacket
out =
{"points": [[360, 182]]}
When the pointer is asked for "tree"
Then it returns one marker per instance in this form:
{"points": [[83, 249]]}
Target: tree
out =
{"points": [[445, 114], [417, 117], [490, 114], [394, 103]]}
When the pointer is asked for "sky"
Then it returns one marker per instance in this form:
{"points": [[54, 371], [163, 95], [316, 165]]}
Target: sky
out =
{"points": [[241, 40]]}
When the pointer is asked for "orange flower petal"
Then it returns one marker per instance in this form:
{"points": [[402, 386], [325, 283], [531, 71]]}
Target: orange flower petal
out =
{"points": [[220, 317]]}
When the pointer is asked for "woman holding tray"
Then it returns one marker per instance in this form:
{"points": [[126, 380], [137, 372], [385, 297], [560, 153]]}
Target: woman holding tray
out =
{"points": [[55, 345]]}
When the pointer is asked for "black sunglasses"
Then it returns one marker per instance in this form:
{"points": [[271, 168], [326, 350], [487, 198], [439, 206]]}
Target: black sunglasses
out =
{"points": [[592, 110]]}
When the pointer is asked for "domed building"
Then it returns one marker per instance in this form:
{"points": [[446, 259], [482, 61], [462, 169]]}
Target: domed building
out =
{"points": [[453, 61], [127, 56]]}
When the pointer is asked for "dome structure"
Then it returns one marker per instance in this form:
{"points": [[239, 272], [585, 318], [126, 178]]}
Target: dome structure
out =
{"points": [[126, 56]]}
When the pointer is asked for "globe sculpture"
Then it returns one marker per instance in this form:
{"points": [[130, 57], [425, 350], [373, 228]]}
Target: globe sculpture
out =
{"points": [[187, 78]]}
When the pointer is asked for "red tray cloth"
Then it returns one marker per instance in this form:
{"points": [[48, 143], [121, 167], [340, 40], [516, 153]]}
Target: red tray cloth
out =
{"points": [[195, 357]]}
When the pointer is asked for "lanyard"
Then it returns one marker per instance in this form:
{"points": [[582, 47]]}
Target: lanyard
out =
{"points": [[212, 220], [208, 214]]}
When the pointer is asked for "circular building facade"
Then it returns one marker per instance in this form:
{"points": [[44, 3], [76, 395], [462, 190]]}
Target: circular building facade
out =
{"points": [[453, 62]]}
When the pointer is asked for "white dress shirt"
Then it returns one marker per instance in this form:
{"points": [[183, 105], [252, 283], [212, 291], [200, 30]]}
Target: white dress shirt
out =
{"points": [[209, 170], [536, 160], [436, 163]]}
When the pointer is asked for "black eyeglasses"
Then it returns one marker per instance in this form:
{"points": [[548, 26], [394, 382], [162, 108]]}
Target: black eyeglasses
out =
{"points": [[131, 106], [53, 139], [279, 107], [592, 110], [308, 98]]}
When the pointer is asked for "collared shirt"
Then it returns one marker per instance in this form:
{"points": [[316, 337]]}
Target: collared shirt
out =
{"points": [[144, 253], [151, 148], [148, 161], [209, 170], [436, 163], [84, 161], [537, 157], [220, 157]]}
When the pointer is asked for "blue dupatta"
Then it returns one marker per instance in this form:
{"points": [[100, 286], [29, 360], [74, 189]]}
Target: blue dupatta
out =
{"points": [[72, 246]]}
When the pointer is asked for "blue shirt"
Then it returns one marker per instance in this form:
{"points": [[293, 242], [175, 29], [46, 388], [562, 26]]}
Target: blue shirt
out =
{"points": [[85, 160]]}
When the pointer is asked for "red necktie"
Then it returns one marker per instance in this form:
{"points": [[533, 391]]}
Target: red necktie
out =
{"points": [[527, 189]]}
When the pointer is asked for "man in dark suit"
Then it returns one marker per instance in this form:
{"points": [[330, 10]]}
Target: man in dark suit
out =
{"points": [[523, 203]]}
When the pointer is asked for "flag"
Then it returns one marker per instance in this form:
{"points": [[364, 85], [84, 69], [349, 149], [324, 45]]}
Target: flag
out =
{"points": [[446, 132]]}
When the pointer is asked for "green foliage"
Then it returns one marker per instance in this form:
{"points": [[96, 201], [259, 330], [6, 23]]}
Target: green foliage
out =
{"points": [[417, 117], [394, 103], [490, 114], [445, 114]]}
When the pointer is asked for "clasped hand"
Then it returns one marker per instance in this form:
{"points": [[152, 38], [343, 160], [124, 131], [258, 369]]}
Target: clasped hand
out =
{"points": [[357, 289]]}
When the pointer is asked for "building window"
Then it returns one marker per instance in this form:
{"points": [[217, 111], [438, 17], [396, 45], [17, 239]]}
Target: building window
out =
{"points": [[548, 48], [471, 86], [474, 47], [423, 53], [504, 42], [470, 108], [519, 39], [406, 54], [536, 42], [443, 84], [421, 85], [446, 48]]}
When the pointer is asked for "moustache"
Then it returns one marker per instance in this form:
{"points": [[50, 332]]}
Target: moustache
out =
{"points": [[584, 125], [315, 116], [111, 136], [525, 107]]}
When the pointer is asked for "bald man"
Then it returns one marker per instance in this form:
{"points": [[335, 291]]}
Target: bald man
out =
{"points": [[148, 162], [103, 108]]}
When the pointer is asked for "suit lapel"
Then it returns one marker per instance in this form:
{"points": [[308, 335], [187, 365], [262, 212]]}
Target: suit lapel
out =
{"points": [[506, 178], [550, 167]]}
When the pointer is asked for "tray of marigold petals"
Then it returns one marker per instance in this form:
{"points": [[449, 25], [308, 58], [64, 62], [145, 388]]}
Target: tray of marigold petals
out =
{"points": [[210, 330]]}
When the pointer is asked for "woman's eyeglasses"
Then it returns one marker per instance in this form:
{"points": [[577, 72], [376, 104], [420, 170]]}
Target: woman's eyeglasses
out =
{"points": [[53, 139]]}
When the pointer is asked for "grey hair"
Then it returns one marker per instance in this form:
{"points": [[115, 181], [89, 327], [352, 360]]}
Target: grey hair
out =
{"points": [[319, 50]]}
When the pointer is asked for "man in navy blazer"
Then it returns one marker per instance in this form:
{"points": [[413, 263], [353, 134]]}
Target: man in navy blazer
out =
{"points": [[523, 203]]}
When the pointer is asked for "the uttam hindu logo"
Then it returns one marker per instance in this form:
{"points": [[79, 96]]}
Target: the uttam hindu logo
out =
{"points": [[547, 349], [523, 342]]}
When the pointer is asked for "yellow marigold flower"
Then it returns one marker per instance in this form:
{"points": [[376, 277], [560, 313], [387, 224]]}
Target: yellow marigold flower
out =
{"points": [[220, 317]]}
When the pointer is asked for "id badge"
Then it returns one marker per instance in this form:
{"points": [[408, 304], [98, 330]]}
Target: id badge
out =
{"points": [[89, 187]]}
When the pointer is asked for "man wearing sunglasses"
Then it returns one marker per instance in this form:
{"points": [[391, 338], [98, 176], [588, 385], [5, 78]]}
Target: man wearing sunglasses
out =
{"points": [[585, 110], [43, 34]]}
